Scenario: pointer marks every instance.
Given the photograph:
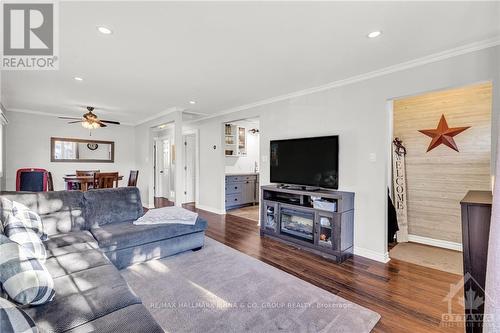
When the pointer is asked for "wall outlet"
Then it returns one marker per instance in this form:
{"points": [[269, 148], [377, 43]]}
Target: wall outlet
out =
{"points": [[372, 157]]}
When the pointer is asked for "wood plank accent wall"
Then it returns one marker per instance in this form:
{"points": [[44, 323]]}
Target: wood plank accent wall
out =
{"points": [[439, 179]]}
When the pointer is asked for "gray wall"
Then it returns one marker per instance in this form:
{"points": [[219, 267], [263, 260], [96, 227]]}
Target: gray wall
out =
{"points": [[358, 113], [28, 146]]}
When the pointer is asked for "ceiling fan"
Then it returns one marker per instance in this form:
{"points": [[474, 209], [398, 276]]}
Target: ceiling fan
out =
{"points": [[90, 120]]}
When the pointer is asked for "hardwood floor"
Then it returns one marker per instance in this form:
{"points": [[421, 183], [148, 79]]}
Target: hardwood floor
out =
{"points": [[409, 298]]}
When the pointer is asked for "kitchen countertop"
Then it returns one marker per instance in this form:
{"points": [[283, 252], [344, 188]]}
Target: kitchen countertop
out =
{"points": [[242, 174]]}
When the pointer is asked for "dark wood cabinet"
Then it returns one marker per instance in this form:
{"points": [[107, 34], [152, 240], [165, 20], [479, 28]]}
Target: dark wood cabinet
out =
{"points": [[476, 216]]}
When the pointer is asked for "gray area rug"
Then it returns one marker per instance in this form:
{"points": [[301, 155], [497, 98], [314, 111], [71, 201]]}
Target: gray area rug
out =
{"points": [[219, 289]]}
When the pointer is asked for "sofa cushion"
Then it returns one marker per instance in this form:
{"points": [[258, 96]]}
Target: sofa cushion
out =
{"points": [[117, 236], [75, 309], [13, 319], [104, 276], [133, 318], [19, 232], [70, 242], [88, 287], [24, 278], [105, 206], [60, 211], [68, 263], [70, 238]]}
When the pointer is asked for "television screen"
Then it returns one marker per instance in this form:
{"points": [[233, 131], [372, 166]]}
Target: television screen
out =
{"points": [[306, 161]]}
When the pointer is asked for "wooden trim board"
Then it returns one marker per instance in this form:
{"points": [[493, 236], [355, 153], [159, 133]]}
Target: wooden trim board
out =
{"points": [[435, 242]]}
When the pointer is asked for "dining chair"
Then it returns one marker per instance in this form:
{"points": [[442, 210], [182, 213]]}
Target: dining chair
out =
{"points": [[50, 182], [132, 178], [31, 180], [85, 173], [105, 179]]}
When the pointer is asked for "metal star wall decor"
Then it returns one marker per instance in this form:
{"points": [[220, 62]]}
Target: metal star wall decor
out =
{"points": [[443, 135]]}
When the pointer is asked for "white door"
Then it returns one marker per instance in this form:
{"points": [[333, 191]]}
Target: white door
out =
{"points": [[189, 167], [165, 168], [158, 162]]}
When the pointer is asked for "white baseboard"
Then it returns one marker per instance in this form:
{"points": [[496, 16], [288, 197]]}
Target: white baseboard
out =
{"points": [[370, 254], [211, 209], [435, 242]]}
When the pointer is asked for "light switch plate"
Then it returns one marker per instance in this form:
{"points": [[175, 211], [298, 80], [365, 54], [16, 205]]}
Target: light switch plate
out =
{"points": [[373, 157]]}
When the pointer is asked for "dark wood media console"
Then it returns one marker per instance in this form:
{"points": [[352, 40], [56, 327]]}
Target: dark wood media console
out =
{"points": [[320, 221]]}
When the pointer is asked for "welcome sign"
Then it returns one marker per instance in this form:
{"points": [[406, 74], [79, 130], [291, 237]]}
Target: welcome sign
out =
{"points": [[399, 189]]}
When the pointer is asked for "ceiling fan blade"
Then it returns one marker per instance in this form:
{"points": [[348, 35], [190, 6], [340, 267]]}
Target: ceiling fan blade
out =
{"points": [[111, 122], [69, 118], [74, 122], [101, 124]]}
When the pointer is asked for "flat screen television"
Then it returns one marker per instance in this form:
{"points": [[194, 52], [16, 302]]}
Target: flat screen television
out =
{"points": [[307, 161]]}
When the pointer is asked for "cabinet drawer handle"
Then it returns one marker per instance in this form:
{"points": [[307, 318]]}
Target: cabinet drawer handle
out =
{"points": [[236, 187], [235, 199]]}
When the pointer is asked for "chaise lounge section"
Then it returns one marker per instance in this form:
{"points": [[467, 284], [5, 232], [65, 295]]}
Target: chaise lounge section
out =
{"points": [[91, 235]]}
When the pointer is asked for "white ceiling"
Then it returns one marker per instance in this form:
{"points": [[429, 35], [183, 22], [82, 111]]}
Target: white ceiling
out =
{"points": [[226, 54]]}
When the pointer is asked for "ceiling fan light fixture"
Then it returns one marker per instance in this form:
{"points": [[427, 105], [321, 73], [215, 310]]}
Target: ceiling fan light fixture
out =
{"points": [[90, 125]]}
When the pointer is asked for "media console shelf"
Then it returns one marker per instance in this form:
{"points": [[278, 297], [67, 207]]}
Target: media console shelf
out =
{"points": [[320, 221]]}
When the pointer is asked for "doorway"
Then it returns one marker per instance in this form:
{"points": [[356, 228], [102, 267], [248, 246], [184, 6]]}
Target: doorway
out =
{"points": [[242, 162], [164, 163], [431, 176]]}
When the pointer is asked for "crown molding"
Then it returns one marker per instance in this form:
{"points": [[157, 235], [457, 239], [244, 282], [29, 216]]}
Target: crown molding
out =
{"points": [[48, 114], [158, 115], [454, 52], [435, 57]]}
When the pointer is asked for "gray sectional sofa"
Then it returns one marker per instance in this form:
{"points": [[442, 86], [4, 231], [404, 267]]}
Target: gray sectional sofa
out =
{"points": [[91, 236]]}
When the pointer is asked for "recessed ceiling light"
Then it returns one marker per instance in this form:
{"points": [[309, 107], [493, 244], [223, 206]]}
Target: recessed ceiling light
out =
{"points": [[374, 34], [104, 30], [192, 102], [77, 78]]}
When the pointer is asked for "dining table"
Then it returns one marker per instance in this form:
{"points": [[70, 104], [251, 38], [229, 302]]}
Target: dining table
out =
{"points": [[83, 183]]}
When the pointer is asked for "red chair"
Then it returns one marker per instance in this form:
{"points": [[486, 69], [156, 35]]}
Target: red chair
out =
{"points": [[32, 180]]}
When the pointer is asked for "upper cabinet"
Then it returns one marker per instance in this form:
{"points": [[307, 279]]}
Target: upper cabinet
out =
{"points": [[242, 141], [235, 140]]}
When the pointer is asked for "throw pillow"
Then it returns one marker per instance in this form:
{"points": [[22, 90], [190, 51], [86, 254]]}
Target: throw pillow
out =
{"points": [[5, 209], [13, 319], [30, 219], [17, 231], [24, 278]]}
